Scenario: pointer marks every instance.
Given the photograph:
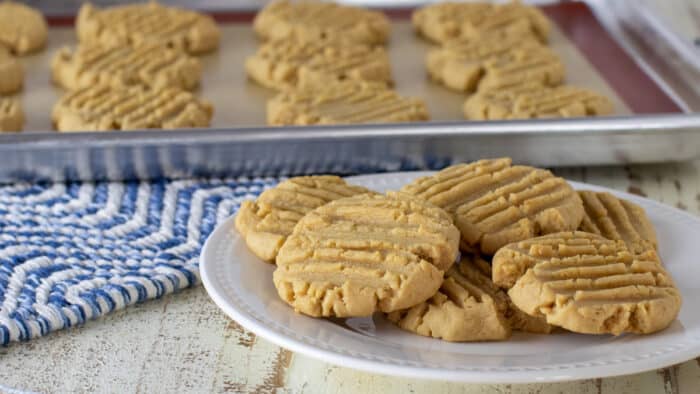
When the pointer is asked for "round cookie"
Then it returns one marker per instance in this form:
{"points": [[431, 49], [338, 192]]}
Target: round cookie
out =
{"points": [[11, 115], [494, 203], [617, 219], [22, 29], [588, 284], [364, 254], [267, 222], [468, 307], [174, 27], [150, 64], [102, 107], [315, 20], [11, 72]]}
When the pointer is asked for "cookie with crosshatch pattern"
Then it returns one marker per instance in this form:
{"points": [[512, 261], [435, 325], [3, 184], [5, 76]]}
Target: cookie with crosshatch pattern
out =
{"points": [[266, 222], [141, 23], [120, 65], [346, 102], [449, 20], [494, 61], [588, 284], [365, 254], [103, 107], [281, 64], [495, 203], [617, 219], [315, 20], [528, 100]]}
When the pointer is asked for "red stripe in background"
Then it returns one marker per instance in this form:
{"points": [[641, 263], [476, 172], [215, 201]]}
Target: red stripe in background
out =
{"points": [[582, 28], [634, 86]]}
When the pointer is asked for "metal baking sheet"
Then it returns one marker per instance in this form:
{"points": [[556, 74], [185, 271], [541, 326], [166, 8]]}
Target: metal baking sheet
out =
{"points": [[238, 143]]}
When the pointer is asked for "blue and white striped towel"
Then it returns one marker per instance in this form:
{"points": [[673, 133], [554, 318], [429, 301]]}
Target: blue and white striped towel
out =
{"points": [[73, 252]]}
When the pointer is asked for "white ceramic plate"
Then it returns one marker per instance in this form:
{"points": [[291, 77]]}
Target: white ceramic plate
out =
{"points": [[241, 285]]}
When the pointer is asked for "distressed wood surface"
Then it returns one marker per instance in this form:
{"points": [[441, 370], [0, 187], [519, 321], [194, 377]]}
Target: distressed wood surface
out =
{"points": [[183, 343]]}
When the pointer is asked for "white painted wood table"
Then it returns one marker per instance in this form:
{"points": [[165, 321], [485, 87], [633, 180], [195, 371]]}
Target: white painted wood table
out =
{"points": [[183, 343]]}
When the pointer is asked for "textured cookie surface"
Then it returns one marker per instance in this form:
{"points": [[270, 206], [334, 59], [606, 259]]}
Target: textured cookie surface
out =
{"points": [[267, 222], [466, 308], [494, 61], [22, 29], [11, 72], [149, 64], [536, 102], [344, 103], [101, 108], [495, 203], [148, 22], [617, 219], [449, 20], [588, 284], [11, 115], [311, 21], [289, 63], [367, 253]]}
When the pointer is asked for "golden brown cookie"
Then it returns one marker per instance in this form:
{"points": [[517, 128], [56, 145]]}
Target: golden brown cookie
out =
{"points": [[494, 62], [495, 203], [150, 64], [282, 64], [367, 253], [102, 108], [22, 29], [267, 222], [617, 219], [465, 308], [517, 319], [148, 22], [11, 115], [344, 103], [588, 284], [11, 72], [536, 102], [311, 21], [449, 20]]}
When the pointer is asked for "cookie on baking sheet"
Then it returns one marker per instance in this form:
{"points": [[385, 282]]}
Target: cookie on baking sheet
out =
{"points": [[288, 63], [267, 222], [148, 22], [11, 72], [22, 28], [617, 219], [149, 64], [102, 108], [449, 20], [522, 67], [316, 20], [345, 102], [367, 253], [493, 61], [536, 102], [588, 284], [495, 203], [11, 115]]}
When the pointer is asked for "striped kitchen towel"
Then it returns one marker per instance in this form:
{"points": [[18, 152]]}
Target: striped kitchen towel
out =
{"points": [[73, 252]]}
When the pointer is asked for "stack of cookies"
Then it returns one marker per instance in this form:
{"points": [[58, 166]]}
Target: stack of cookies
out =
{"points": [[23, 31], [497, 54], [329, 64], [135, 68], [536, 255]]}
